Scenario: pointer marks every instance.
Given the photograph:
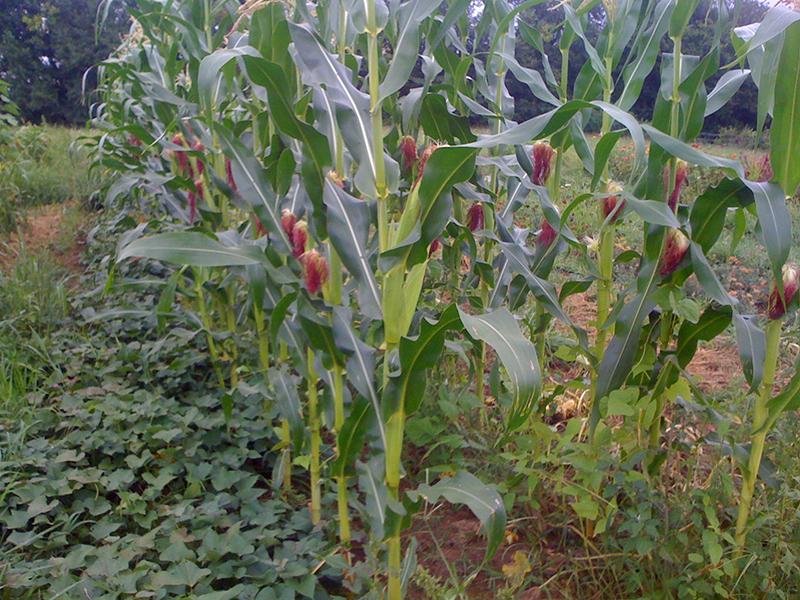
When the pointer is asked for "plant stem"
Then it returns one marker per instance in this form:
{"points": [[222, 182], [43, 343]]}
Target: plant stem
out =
{"points": [[394, 447], [314, 426], [202, 308], [667, 317], [341, 482], [759, 435], [377, 125], [606, 268]]}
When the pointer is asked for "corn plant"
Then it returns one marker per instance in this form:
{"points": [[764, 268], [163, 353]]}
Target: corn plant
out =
{"points": [[306, 164]]}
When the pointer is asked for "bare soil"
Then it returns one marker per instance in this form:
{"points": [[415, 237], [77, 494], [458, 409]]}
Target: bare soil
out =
{"points": [[43, 232]]}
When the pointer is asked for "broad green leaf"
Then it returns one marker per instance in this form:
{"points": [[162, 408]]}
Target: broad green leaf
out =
{"points": [[348, 227], [684, 9], [543, 290], [350, 440], [484, 502], [191, 248], [284, 387], [708, 279], [530, 78], [439, 124], [254, 188], [321, 69], [376, 496], [500, 330], [316, 151], [774, 23], [406, 45], [707, 216], [406, 390], [211, 74], [785, 129], [787, 400], [752, 348], [726, 88], [712, 323], [360, 362], [775, 221], [637, 70]]}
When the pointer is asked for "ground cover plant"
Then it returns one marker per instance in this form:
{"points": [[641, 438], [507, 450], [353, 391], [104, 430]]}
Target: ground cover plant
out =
{"points": [[341, 297]]}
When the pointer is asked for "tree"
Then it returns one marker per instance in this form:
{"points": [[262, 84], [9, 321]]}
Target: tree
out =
{"points": [[46, 47]]}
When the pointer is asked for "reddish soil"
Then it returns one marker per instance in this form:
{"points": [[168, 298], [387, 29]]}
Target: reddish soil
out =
{"points": [[39, 232]]}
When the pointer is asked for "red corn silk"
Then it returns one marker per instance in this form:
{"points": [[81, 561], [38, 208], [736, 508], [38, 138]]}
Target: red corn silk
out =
{"points": [[674, 251], [791, 281], [288, 221], [475, 217], [542, 157], [192, 206], [408, 150], [199, 189], [184, 166], [299, 238], [229, 174], [316, 271], [423, 160], [758, 168], [134, 141], [681, 177], [436, 245], [547, 235], [613, 203]]}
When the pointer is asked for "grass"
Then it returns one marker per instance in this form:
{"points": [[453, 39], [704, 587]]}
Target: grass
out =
{"points": [[55, 168]]}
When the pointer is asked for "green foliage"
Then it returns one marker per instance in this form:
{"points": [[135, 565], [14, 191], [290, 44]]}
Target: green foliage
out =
{"points": [[328, 274], [46, 48]]}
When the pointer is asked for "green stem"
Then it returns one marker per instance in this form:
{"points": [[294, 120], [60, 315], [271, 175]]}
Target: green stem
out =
{"points": [[202, 308], [394, 446], [341, 482], [314, 426], [344, 515], [759, 436], [263, 338], [606, 268], [377, 125]]}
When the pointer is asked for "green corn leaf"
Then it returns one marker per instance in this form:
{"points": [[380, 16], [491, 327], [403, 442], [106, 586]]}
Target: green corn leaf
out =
{"points": [[284, 387], [726, 88], [406, 45], [683, 11], [708, 279], [484, 501], [360, 362], [316, 150], [191, 248], [406, 390], [786, 401], [785, 130], [712, 323], [211, 76], [348, 228], [752, 345], [350, 440], [253, 184], [500, 330], [636, 71], [707, 216]]}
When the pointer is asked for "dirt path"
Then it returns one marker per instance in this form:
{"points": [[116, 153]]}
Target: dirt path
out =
{"points": [[45, 231]]}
